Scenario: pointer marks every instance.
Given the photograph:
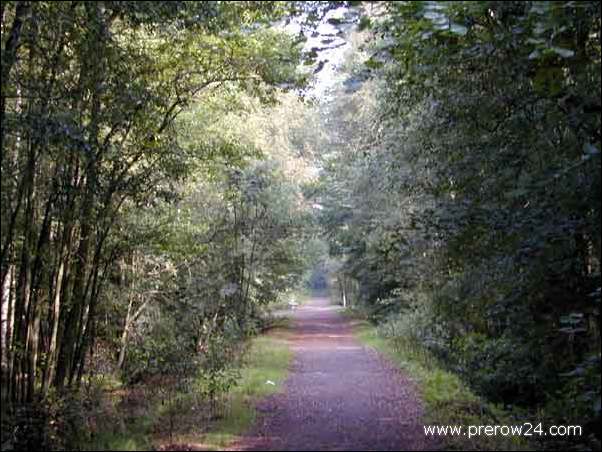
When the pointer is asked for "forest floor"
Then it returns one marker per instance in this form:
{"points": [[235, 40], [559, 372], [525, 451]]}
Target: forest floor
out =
{"points": [[339, 395]]}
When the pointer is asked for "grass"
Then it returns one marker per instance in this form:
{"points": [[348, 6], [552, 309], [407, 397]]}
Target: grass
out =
{"points": [[447, 400], [141, 423], [136, 436], [267, 360], [114, 428]]}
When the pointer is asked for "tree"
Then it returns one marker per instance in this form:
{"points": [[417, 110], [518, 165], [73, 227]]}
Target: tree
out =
{"points": [[473, 202], [90, 93]]}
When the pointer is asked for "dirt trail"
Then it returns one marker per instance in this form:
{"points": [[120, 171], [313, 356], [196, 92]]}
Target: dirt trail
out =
{"points": [[339, 394]]}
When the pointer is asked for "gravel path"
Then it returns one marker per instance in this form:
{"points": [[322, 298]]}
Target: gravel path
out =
{"points": [[339, 394]]}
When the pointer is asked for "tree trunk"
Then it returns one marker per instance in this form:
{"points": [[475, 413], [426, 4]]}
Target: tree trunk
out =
{"points": [[7, 328], [9, 57], [124, 337], [55, 316]]}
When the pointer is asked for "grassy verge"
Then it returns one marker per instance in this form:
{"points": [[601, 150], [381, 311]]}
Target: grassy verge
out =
{"points": [[134, 436], [141, 418], [96, 418], [447, 400], [265, 370]]}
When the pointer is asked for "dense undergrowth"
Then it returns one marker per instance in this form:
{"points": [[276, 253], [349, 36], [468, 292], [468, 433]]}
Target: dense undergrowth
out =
{"points": [[161, 412], [450, 400], [446, 398], [165, 172], [461, 196]]}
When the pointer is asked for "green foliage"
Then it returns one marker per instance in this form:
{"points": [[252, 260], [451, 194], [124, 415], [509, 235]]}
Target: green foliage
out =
{"points": [[91, 95], [152, 170], [161, 350], [461, 194], [448, 400], [267, 360]]}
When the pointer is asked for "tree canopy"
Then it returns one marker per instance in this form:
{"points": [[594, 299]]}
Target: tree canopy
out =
{"points": [[168, 172]]}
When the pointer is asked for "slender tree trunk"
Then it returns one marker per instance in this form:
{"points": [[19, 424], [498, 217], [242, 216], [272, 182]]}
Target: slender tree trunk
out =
{"points": [[6, 333], [4, 316], [130, 310], [9, 57], [24, 281], [124, 334], [55, 316], [86, 271], [76, 299], [9, 336]]}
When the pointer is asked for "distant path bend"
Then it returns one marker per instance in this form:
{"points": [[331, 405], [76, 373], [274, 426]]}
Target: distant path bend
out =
{"points": [[339, 395]]}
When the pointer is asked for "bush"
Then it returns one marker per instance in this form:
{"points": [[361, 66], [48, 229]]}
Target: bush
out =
{"points": [[56, 423], [163, 350]]}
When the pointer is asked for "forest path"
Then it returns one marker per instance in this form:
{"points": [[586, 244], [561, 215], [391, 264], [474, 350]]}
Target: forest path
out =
{"points": [[339, 394]]}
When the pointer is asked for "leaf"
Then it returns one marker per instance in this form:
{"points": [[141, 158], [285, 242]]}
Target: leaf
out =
{"points": [[371, 63], [578, 372], [590, 149], [517, 193], [435, 16], [564, 53], [365, 23], [536, 41], [573, 317], [434, 6], [540, 7], [548, 80], [459, 29]]}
